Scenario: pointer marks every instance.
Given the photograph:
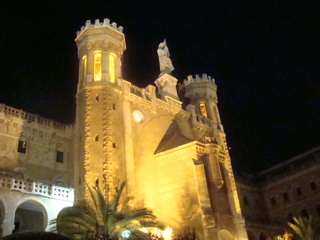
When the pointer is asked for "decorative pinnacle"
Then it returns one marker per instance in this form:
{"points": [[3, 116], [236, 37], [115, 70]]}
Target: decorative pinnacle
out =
{"points": [[204, 78], [97, 23]]}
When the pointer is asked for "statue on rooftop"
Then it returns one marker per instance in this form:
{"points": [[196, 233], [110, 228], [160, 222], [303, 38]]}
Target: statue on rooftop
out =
{"points": [[164, 58]]}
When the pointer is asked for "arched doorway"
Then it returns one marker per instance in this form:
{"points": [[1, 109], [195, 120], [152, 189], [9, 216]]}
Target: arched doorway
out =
{"points": [[251, 235], [30, 216], [263, 236], [225, 235]]}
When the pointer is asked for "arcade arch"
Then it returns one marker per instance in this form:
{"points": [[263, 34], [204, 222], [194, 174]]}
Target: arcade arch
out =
{"points": [[30, 216], [225, 235]]}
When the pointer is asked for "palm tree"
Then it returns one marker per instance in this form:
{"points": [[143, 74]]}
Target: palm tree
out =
{"points": [[303, 228], [105, 220]]}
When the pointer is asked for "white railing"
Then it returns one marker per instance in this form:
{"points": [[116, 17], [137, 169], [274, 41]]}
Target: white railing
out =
{"points": [[37, 188]]}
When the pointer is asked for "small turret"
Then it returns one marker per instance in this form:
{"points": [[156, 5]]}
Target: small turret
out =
{"points": [[202, 92], [100, 47]]}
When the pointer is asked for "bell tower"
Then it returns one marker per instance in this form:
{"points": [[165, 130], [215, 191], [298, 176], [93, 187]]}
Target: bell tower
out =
{"points": [[100, 48]]}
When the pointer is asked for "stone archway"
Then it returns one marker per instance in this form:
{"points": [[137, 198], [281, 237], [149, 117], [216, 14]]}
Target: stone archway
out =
{"points": [[30, 216], [225, 235], [251, 235], [263, 236]]}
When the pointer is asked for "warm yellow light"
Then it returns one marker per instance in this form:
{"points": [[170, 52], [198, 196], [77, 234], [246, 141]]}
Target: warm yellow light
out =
{"points": [[97, 66], [84, 68], [167, 233], [214, 112], [112, 72], [144, 230], [203, 109], [137, 116]]}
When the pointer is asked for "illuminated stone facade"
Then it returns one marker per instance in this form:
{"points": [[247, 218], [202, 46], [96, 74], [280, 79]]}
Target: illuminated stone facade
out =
{"points": [[270, 199], [175, 159], [168, 145], [36, 170]]}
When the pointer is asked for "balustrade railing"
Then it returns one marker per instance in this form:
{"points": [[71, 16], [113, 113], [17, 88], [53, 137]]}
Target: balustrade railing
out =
{"points": [[30, 117], [37, 188]]}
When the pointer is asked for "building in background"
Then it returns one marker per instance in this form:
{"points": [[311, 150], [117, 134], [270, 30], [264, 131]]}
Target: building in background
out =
{"points": [[270, 199], [36, 170]]}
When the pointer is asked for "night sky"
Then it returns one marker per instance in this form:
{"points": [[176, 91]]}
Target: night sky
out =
{"points": [[264, 55]]}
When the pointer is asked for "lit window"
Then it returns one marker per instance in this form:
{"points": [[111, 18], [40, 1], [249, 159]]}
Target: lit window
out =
{"points": [[203, 110], [112, 72], [59, 157], [22, 146], [214, 112], [97, 66], [84, 68]]}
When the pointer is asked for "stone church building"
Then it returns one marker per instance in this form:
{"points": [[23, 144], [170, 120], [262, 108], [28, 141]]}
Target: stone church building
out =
{"points": [[165, 140]]}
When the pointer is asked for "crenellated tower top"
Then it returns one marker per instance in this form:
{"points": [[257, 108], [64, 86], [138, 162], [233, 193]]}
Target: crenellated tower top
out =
{"points": [[202, 93], [97, 23], [197, 78], [100, 47]]}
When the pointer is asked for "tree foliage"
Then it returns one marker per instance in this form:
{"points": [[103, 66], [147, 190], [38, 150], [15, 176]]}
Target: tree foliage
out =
{"points": [[100, 219], [303, 228]]}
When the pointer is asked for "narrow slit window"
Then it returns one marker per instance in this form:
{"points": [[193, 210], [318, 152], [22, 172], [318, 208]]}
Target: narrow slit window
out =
{"points": [[96, 138], [112, 72], [84, 69], [114, 145], [59, 157], [97, 98], [215, 114], [97, 66]]}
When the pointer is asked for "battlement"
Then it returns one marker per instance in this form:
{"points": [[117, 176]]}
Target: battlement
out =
{"points": [[97, 23], [197, 78]]}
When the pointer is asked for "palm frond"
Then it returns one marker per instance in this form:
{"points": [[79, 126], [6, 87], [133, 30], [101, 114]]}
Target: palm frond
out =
{"points": [[106, 219], [303, 228]]}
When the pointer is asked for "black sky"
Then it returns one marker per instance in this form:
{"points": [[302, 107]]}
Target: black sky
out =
{"points": [[264, 55]]}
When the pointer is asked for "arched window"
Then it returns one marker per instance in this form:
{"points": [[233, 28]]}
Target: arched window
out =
{"points": [[112, 72], [97, 66], [84, 68], [203, 110], [214, 113]]}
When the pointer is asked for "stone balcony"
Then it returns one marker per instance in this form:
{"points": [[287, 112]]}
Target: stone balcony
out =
{"points": [[37, 188]]}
